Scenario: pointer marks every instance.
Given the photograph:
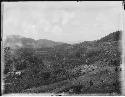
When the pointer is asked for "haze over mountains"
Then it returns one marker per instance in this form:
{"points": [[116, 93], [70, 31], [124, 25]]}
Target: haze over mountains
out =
{"points": [[19, 41]]}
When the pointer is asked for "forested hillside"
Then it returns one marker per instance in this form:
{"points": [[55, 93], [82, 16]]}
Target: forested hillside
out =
{"points": [[44, 66]]}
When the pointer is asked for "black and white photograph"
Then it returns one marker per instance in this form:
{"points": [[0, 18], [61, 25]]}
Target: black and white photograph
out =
{"points": [[62, 48]]}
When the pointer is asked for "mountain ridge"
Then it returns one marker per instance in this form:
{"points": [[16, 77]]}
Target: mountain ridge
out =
{"points": [[20, 41], [15, 41]]}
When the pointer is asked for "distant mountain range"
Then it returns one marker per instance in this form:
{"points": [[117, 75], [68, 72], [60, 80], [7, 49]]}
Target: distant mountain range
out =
{"points": [[15, 41]]}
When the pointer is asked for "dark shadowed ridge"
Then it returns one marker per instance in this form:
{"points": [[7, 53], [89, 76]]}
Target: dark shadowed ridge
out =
{"points": [[112, 37], [115, 36]]}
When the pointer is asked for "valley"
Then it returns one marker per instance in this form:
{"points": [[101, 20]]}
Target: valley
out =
{"points": [[88, 67]]}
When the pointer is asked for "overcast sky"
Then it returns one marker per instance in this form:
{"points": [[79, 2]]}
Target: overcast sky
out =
{"points": [[62, 21]]}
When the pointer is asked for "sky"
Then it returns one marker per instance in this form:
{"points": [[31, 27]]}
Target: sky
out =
{"points": [[64, 21]]}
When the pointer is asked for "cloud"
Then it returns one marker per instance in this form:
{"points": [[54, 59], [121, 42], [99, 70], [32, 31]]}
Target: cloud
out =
{"points": [[56, 30], [62, 17], [67, 16], [58, 21]]}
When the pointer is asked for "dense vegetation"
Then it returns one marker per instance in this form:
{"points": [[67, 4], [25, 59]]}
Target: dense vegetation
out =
{"points": [[80, 68]]}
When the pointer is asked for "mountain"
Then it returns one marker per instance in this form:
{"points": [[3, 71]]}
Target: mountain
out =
{"points": [[115, 36], [46, 43], [107, 48], [16, 41], [112, 37]]}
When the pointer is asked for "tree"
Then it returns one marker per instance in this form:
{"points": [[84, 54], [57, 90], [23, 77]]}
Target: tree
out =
{"points": [[8, 60], [32, 66], [78, 54]]}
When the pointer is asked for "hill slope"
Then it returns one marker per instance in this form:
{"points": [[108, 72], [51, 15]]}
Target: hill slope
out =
{"points": [[87, 67], [15, 41]]}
